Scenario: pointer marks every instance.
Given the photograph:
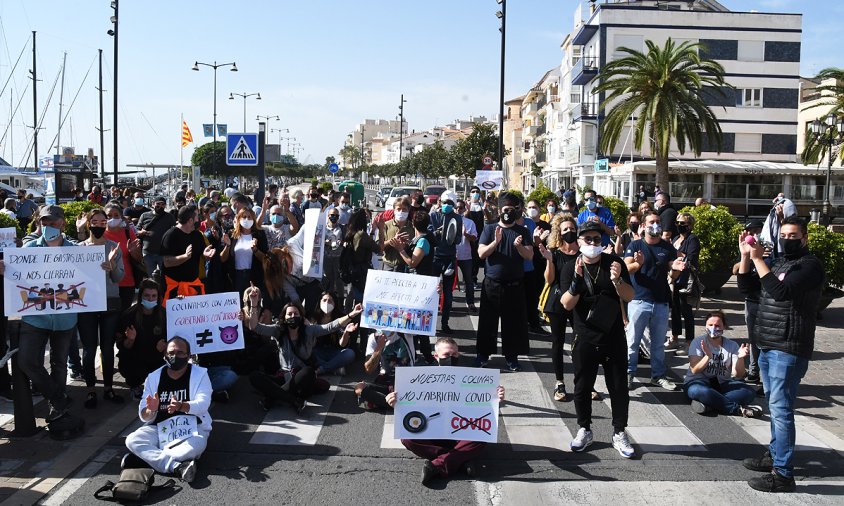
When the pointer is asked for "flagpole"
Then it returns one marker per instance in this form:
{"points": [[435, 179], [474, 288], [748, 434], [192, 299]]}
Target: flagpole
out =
{"points": [[182, 146]]}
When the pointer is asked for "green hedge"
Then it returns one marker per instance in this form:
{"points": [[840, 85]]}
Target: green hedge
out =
{"points": [[619, 209], [7, 221], [718, 231], [72, 210], [541, 194], [829, 248]]}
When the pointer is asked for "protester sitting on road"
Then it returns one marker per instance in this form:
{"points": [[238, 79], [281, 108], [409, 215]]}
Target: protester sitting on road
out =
{"points": [[385, 350], [716, 366], [296, 339], [142, 337], [177, 388], [331, 353], [444, 458]]}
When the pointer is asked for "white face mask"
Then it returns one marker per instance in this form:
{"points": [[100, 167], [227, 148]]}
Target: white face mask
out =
{"points": [[533, 212], [401, 215], [115, 223], [246, 223], [591, 250], [326, 307]]}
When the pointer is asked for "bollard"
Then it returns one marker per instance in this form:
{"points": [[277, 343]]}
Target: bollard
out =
{"points": [[24, 413]]}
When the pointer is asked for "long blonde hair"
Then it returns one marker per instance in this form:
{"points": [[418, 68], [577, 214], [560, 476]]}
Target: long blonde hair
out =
{"points": [[556, 237], [243, 213]]}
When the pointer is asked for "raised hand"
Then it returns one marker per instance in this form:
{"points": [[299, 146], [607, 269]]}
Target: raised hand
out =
{"points": [[81, 220], [358, 309], [174, 406], [189, 251], [152, 403], [499, 234], [545, 252], [134, 246], [518, 242], [578, 266], [130, 333], [351, 327], [226, 240], [639, 258], [678, 264], [254, 294], [208, 252], [704, 347], [615, 271], [743, 350]]}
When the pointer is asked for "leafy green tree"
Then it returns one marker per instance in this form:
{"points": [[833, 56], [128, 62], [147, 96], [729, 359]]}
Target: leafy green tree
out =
{"points": [[467, 153], [833, 96], [541, 194], [211, 158], [351, 156], [665, 89]]}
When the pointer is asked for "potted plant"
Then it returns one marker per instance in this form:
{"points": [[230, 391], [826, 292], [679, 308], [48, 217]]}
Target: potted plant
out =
{"points": [[828, 246], [718, 231]]}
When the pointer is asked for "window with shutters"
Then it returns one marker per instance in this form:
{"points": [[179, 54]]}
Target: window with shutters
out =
{"points": [[749, 97], [748, 143], [751, 50]]}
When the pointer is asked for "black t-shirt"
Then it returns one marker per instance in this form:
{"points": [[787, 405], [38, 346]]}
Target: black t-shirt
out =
{"points": [[175, 243], [601, 270], [651, 280], [169, 389], [505, 263], [135, 213], [152, 328], [668, 220]]}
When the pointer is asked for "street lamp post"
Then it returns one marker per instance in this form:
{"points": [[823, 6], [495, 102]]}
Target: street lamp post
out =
{"points": [[244, 96], [215, 66], [829, 132], [113, 33], [502, 15], [401, 125]]}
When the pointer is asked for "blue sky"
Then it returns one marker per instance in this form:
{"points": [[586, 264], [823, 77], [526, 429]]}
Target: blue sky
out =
{"points": [[321, 65]]}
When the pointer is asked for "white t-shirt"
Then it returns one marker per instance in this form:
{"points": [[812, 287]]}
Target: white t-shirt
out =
{"points": [[464, 248], [721, 360], [243, 253]]}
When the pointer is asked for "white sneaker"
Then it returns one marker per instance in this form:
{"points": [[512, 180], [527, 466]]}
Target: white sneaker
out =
{"points": [[663, 382], [582, 440], [621, 443]]}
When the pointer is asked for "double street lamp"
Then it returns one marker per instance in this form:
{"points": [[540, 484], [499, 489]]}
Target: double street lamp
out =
{"points": [[215, 66], [244, 96], [829, 132]]}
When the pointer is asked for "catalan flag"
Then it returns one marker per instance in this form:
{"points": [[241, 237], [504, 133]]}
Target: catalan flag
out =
{"points": [[187, 138]]}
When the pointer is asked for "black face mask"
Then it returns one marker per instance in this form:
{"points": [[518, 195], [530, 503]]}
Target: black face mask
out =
{"points": [[634, 227], [294, 322], [570, 237], [508, 218], [792, 248], [448, 361], [176, 363], [97, 232], [333, 218], [683, 229]]}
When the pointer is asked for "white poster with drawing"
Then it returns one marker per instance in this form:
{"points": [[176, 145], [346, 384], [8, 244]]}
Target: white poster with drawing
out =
{"points": [[314, 242], [459, 403], [489, 179], [209, 323], [400, 302], [54, 280]]}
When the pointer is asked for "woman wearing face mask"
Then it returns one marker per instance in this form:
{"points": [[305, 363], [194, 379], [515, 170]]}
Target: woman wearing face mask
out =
{"points": [[249, 245], [562, 248], [99, 328], [419, 257], [209, 215], [333, 248], [216, 278], [397, 232], [130, 249], [142, 338], [634, 222], [331, 353], [687, 245], [296, 340], [551, 210], [715, 365]]}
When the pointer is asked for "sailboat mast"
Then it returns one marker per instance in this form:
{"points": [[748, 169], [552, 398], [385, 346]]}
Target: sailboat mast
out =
{"points": [[34, 106], [61, 98]]}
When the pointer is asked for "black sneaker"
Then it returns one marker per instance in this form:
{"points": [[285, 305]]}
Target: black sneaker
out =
{"points": [[132, 461], [186, 470], [220, 396], [445, 329], [751, 378], [560, 394], [763, 464], [55, 414], [513, 365], [470, 468], [772, 482], [429, 472]]}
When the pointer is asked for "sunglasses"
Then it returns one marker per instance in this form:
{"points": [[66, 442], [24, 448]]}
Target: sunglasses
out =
{"points": [[592, 239]]}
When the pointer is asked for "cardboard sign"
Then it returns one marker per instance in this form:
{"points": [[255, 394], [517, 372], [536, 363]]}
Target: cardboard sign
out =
{"points": [[314, 242], [7, 238], [54, 280], [489, 179], [401, 302], [175, 429], [208, 322], [459, 403]]}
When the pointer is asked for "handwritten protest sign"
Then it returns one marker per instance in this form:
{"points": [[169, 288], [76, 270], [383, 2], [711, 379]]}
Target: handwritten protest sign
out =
{"points": [[400, 302], [314, 243], [175, 429], [458, 403], [7, 238], [489, 179], [208, 322], [54, 280]]}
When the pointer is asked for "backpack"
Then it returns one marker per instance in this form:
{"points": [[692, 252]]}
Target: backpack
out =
{"points": [[351, 272], [133, 486]]}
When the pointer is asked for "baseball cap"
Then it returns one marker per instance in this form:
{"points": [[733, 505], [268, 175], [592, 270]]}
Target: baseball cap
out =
{"points": [[448, 195], [590, 226], [54, 212], [753, 224]]}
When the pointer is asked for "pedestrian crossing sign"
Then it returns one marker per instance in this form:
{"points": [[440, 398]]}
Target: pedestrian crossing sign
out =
{"points": [[241, 149]]}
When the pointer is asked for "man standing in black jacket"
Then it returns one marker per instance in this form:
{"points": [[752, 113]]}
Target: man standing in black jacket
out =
{"points": [[785, 333]]}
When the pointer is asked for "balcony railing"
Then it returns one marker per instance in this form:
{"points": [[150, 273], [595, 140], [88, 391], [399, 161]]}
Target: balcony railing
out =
{"points": [[585, 70], [586, 110], [541, 101], [541, 129], [540, 156]]}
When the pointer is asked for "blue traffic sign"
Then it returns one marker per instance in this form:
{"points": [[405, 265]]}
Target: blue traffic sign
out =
{"points": [[334, 168], [241, 149]]}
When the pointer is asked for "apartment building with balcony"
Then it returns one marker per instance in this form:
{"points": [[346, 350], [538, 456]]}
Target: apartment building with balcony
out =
{"points": [[758, 113]]}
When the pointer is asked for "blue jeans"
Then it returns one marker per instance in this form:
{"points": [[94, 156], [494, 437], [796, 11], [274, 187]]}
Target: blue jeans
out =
{"points": [[653, 316], [726, 398], [330, 359], [74, 363], [152, 261], [440, 266], [781, 375], [750, 310], [468, 283], [222, 377]]}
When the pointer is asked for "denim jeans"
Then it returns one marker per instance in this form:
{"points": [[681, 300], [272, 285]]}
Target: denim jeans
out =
{"points": [[726, 398], [750, 310], [781, 375], [222, 377], [440, 266], [654, 317], [330, 359], [74, 363], [152, 261], [98, 329], [468, 283], [31, 360]]}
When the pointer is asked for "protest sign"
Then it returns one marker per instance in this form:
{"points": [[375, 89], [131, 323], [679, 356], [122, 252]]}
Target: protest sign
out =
{"points": [[208, 322], [459, 403], [314, 243], [489, 179], [54, 280], [7, 238], [175, 429], [400, 302]]}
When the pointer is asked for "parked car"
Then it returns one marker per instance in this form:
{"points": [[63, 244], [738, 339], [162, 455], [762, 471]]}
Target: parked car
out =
{"points": [[381, 196], [432, 193], [399, 191]]}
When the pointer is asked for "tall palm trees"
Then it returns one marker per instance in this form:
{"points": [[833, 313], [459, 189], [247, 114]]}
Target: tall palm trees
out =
{"points": [[832, 95], [663, 90]]}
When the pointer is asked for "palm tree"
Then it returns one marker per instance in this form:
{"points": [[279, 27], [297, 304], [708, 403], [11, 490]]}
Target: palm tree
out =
{"points": [[663, 89], [832, 96]]}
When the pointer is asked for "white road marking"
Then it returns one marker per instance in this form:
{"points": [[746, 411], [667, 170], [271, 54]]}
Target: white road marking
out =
{"points": [[281, 426]]}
